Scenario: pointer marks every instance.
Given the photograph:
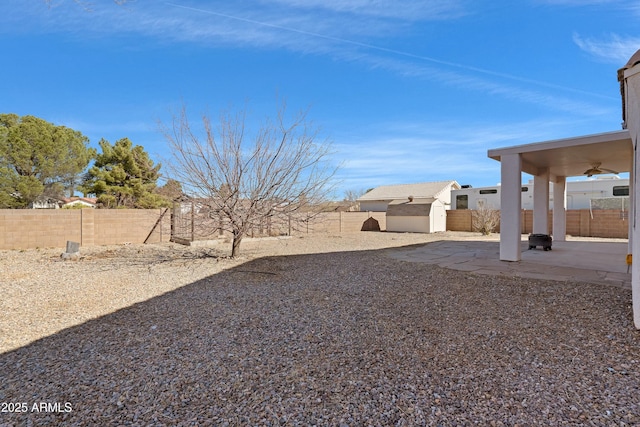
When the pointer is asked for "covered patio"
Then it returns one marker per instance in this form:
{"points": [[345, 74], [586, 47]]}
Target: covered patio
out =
{"points": [[554, 161]]}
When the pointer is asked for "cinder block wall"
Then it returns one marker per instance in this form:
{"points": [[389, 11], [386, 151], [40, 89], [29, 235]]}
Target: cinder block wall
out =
{"points": [[609, 223], [28, 229], [583, 222], [25, 229], [340, 222], [114, 226], [33, 228], [459, 220]]}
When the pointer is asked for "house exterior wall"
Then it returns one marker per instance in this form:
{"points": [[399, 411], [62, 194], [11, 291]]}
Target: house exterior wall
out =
{"points": [[632, 121], [445, 197]]}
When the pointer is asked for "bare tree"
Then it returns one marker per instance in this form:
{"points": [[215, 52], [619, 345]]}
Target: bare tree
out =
{"points": [[485, 220], [352, 197], [280, 170]]}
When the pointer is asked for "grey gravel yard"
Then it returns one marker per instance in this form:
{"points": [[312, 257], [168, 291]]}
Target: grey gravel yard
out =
{"points": [[306, 331]]}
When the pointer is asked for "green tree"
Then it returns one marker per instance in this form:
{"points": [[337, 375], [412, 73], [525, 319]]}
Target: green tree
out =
{"points": [[123, 176], [38, 158], [171, 190]]}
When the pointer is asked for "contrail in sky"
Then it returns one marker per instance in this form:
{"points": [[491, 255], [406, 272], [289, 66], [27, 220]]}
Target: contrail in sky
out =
{"points": [[394, 51]]}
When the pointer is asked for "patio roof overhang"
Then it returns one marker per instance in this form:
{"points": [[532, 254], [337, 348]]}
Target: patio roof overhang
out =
{"points": [[573, 156]]}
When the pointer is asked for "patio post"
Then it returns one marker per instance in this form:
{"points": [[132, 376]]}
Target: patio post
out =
{"points": [[560, 209], [541, 203], [510, 206]]}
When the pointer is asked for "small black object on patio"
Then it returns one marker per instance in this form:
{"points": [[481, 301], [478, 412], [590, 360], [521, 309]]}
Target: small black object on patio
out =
{"points": [[543, 240]]}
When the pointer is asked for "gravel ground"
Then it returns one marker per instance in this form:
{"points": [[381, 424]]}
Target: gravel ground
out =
{"points": [[306, 331]]}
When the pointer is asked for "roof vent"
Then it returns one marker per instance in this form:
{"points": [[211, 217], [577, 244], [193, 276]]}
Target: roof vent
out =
{"points": [[411, 198]]}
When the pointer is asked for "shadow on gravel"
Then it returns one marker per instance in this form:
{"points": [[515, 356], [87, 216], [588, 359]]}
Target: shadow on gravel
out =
{"points": [[351, 338]]}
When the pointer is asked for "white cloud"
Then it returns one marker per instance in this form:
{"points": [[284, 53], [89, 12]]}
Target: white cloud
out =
{"points": [[344, 29], [401, 152], [501, 84], [614, 48], [411, 10], [577, 2], [303, 26]]}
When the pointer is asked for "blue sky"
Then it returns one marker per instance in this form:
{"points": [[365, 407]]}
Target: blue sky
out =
{"points": [[411, 93]]}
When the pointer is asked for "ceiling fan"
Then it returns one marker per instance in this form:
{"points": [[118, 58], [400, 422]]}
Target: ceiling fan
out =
{"points": [[597, 170]]}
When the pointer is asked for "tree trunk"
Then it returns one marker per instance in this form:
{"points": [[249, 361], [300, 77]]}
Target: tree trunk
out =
{"points": [[235, 244]]}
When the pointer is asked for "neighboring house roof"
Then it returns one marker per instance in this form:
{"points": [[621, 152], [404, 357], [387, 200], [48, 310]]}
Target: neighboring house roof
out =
{"points": [[403, 191], [83, 200]]}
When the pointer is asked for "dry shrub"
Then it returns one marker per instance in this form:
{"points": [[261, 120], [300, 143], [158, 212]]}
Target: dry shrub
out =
{"points": [[485, 220]]}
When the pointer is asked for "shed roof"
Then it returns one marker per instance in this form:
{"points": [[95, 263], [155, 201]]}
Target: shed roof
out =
{"points": [[403, 191], [415, 207]]}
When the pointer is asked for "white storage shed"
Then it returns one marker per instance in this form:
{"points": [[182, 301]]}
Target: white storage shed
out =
{"points": [[377, 199], [416, 216]]}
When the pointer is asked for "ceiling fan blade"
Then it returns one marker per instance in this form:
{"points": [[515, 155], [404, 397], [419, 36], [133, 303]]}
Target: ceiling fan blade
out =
{"points": [[609, 171]]}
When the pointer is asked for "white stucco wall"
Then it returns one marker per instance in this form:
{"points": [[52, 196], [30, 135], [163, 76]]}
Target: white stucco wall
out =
{"points": [[632, 101], [445, 196]]}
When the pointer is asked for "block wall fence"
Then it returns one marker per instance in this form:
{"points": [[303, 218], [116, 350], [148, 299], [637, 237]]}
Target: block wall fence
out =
{"points": [[33, 228], [45, 228], [612, 223], [42, 228]]}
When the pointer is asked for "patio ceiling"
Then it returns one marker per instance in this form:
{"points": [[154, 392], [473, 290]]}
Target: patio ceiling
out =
{"points": [[573, 156]]}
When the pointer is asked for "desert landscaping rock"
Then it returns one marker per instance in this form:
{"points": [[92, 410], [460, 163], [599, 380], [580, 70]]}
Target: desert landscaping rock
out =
{"points": [[318, 330]]}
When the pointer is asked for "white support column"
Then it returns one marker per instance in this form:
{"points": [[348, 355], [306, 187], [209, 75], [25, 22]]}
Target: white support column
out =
{"points": [[560, 209], [541, 203], [510, 207]]}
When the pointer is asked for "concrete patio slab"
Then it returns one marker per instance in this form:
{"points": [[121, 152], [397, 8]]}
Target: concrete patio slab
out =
{"points": [[578, 259]]}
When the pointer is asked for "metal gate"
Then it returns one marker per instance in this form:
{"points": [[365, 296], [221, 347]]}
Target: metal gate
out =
{"points": [[192, 220]]}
